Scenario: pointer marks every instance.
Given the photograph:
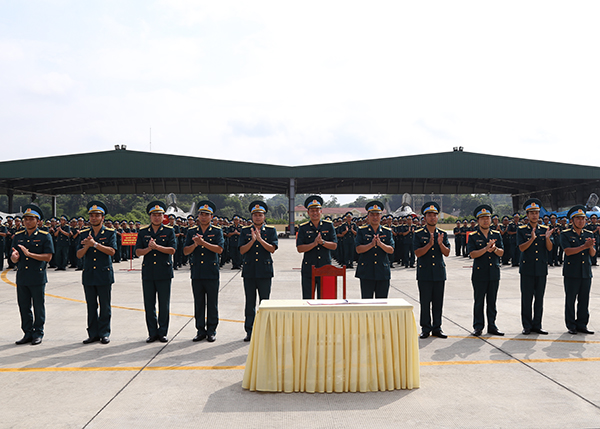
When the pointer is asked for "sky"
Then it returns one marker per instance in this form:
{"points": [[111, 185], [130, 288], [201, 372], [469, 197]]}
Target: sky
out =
{"points": [[295, 83]]}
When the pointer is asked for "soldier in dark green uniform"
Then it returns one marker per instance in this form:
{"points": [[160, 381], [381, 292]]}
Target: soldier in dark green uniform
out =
{"points": [[373, 244], [431, 245], [32, 249], [407, 232], [579, 247], [592, 227], [63, 240], [205, 243], [234, 234], [534, 241], [97, 245], [457, 238], [512, 235], [485, 248], [157, 244], [346, 244], [256, 244], [316, 239], [505, 240], [7, 249], [3, 234]]}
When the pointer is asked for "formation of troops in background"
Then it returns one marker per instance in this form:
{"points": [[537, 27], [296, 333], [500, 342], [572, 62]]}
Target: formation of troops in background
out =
{"points": [[371, 244]]}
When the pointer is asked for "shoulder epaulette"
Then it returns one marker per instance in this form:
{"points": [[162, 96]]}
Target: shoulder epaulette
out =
{"points": [[246, 227], [109, 229], [523, 226], [166, 226], [544, 226], [215, 226], [385, 227], [364, 226], [193, 227], [145, 227], [43, 232], [419, 230], [304, 223], [84, 230], [20, 232], [566, 230], [328, 221], [269, 226]]}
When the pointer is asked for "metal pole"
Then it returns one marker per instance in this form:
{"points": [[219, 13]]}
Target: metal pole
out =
{"points": [[54, 205], [292, 217]]}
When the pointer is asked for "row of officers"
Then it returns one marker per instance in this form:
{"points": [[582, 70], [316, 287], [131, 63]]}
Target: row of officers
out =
{"points": [[32, 248]]}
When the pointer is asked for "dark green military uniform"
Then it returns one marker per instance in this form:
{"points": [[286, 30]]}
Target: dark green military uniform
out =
{"points": [[533, 268], [577, 274], [3, 234], [63, 241], [97, 276], [431, 275], [486, 274], [373, 267], [204, 272], [319, 255], [31, 278], [157, 272], [257, 265]]}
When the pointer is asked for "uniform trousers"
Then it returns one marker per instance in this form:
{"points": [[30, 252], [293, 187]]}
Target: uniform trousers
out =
{"points": [[2, 256], [151, 289], [62, 256], [532, 288], [409, 255], [236, 257], [508, 252], [251, 286], [26, 297], [457, 246], [307, 287], [516, 254], [206, 296], [98, 322], [431, 297], [485, 291], [577, 289], [348, 252], [379, 288]]}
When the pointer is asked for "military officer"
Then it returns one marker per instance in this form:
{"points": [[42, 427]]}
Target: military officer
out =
{"points": [[256, 244], [32, 249], [579, 248], [97, 245], [157, 244], [316, 239], [592, 227], [63, 240], [534, 241], [512, 235], [234, 234], [373, 244], [431, 245], [505, 240], [464, 233], [3, 234], [10, 232], [457, 238], [485, 248], [205, 243], [348, 233]]}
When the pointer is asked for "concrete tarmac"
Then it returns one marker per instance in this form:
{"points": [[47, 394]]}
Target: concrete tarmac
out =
{"points": [[521, 381]]}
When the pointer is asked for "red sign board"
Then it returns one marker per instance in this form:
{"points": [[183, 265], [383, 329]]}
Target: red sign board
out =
{"points": [[128, 238]]}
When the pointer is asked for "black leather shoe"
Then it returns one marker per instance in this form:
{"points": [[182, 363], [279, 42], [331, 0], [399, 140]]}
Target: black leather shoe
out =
{"points": [[199, 337], [495, 331], [476, 333], [163, 339], [526, 331], [151, 338], [105, 340], [572, 331], [91, 340], [424, 335], [36, 341], [211, 338], [248, 337], [585, 331], [540, 331], [23, 340], [439, 334]]}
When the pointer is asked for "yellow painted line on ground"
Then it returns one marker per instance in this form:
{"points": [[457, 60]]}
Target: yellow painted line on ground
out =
{"points": [[6, 280], [537, 340], [240, 367]]}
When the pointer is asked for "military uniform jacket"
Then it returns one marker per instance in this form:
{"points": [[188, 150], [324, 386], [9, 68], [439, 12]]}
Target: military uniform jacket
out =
{"points": [[319, 256], [157, 265], [258, 262], [97, 265], [534, 260], [487, 266], [62, 239], [204, 264], [31, 272], [234, 239], [2, 230], [373, 264], [512, 227], [578, 265], [347, 227], [430, 266]]}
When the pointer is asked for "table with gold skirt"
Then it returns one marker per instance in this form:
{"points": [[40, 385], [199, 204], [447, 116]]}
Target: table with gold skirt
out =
{"points": [[333, 346]]}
